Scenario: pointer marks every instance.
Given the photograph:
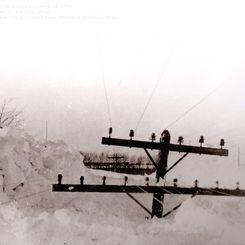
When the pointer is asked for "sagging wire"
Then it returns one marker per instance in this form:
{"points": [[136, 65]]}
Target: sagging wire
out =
{"points": [[25, 196], [195, 105], [104, 82], [155, 87]]}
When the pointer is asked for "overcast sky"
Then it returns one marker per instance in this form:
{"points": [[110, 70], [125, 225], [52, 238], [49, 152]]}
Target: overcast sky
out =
{"points": [[58, 57]]}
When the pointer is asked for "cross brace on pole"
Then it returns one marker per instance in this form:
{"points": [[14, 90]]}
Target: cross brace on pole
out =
{"points": [[175, 208], [128, 189], [139, 203], [164, 148], [176, 162], [150, 157], [155, 165]]}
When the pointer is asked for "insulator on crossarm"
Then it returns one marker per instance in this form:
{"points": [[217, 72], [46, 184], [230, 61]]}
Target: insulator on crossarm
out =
{"points": [[131, 134], [81, 180], [125, 180], [153, 137], [201, 140], [175, 182], [103, 179], [180, 140], [222, 143], [60, 179], [147, 181], [217, 184], [196, 183], [237, 185], [110, 132]]}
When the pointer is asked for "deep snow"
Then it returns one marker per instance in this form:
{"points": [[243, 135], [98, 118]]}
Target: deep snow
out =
{"points": [[31, 214]]}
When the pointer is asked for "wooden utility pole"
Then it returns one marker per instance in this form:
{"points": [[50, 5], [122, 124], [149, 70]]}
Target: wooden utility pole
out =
{"points": [[158, 197], [164, 148], [116, 158]]}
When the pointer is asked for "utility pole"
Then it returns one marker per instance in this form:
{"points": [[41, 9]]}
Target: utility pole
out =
{"points": [[158, 197], [164, 148], [116, 158]]}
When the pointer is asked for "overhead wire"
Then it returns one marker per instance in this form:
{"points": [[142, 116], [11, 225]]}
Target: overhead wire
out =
{"points": [[155, 87], [149, 193], [213, 124], [104, 82], [25, 196], [195, 105], [178, 206], [225, 120], [28, 195], [193, 195], [25, 181], [31, 180]]}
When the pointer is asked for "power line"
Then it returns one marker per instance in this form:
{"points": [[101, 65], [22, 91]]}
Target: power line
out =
{"points": [[155, 87], [31, 180], [104, 82], [25, 196], [27, 181], [195, 105], [222, 121]]}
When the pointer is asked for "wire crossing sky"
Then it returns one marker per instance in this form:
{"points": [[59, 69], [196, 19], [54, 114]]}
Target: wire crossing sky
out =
{"points": [[56, 68], [195, 105], [104, 82], [155, 87]]}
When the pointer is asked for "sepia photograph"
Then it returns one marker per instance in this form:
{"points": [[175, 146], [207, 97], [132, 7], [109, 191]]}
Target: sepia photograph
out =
{"points": [[122, 122]]}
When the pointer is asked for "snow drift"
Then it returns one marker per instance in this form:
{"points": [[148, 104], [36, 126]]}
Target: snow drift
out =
{"points": [[31, 214]]}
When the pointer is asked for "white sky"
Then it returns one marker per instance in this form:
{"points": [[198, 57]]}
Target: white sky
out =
{"points": [[49, 62]]}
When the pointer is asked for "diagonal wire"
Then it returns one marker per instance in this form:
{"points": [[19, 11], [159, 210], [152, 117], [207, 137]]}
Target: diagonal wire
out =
{"points": [[155, 87], [140, 204], [195, 105], [176, 207], [25, 196], [31, 180], [27, 181], [154, 198], [104, 82]]}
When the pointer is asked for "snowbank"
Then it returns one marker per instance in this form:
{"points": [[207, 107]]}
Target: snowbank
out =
{"points": [[31, 214], [198, 221], [30, 166]]}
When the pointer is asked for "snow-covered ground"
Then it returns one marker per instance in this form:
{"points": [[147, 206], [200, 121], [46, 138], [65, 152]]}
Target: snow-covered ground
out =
{"points": [[31, 214]]}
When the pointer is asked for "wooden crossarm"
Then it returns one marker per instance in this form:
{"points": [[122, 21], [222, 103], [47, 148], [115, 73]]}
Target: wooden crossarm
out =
{"points": [[147, 189], [159, 146]]}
